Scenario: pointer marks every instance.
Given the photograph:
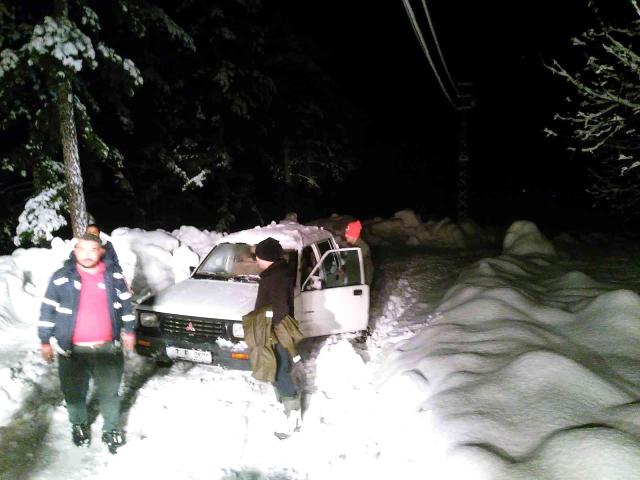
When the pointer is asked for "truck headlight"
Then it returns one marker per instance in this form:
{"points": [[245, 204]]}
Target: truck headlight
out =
{"points": [[237, 330], [149, 319]]}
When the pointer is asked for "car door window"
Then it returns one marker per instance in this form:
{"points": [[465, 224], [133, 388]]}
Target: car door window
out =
{"points": [[324, 247], [308, 262], [337, 268]]}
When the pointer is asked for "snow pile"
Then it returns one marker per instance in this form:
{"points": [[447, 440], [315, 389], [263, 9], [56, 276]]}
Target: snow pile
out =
{"points": [[407, 228], [524, 238], [24, 276], [528, 371], [290, 234], [200, 241], [158, 259]]}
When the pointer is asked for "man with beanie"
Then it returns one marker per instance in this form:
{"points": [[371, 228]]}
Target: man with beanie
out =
{"points": [[353, 238], [276, 289], [85, 314]]}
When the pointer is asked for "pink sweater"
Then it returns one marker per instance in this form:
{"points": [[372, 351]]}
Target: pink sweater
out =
{"points": [[93, 322]]}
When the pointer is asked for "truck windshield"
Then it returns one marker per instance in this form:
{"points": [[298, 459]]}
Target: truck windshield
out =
{"points": [[230, 261]]}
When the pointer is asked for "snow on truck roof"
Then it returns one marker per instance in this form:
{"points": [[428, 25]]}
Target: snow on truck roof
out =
{"points": [[291, 235]]}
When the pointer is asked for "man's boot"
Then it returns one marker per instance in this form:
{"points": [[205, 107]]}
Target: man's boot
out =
{"points": [[80, 434], [290, 404], [293, 417], [114, 439]]}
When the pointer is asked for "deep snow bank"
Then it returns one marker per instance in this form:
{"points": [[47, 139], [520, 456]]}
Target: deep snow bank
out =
{"points": [[405, 227], [528, 370]]}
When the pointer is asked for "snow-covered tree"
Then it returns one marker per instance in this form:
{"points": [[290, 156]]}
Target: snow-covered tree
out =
{"points": [[58, 72], [602, 120], [247, 115], [41, 217]]}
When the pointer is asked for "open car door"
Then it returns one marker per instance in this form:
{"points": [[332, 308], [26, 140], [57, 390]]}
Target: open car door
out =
{"points": [[334, 297]]}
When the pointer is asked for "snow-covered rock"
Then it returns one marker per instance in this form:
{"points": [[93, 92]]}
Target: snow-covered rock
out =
{"points": [[408, 217], [444, 233], [524, 238]]}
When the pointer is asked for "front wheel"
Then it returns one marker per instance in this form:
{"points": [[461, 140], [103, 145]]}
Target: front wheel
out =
{"points": [[361, 336], [164, 362]]}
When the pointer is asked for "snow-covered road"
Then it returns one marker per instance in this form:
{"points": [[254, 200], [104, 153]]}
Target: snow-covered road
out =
{"points": [[197, 421], [204, 422]]}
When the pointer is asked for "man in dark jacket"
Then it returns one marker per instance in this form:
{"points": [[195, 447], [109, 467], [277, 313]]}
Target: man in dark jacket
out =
{"points": [[86, 313], [110, 254], [276, 289], [353, 238]]}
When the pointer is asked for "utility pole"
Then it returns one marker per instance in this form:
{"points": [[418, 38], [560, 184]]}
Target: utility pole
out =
{"points": [[466, 103]]}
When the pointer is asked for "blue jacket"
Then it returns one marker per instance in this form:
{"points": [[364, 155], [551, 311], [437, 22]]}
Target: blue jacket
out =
{"points": [[60, 304]]}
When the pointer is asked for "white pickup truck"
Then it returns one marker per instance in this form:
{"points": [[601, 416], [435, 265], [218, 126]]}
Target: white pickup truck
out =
{"points": [[200, 318]]}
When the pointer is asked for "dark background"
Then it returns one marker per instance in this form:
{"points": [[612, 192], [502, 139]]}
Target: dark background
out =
{"points": [[403, 134], [516, 172]]}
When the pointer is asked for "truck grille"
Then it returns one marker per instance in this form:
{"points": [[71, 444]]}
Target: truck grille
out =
{"points": [[200, 328]]}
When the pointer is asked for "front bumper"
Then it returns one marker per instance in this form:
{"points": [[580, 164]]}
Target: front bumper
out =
{"points": [[156, 347]]}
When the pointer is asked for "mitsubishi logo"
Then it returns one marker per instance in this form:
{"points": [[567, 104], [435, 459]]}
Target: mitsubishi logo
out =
{"points": [[189, 328]]}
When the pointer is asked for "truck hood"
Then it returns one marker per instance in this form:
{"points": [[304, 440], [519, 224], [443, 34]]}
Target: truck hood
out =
{"points": [[205, 298]]}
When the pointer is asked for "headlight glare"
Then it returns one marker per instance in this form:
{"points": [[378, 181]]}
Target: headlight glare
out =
{"points": [[149, 319]]}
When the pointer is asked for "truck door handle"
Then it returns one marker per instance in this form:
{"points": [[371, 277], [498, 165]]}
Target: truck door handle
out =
{"points": [[357, 292], [308, 311]]}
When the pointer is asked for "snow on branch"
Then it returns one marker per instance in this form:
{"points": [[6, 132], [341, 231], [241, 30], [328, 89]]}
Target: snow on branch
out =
{"points": [[41, 217], [603, 115], [61, 40]]}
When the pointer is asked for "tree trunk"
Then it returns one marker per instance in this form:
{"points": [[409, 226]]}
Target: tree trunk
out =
{"points": [[69, 142]]}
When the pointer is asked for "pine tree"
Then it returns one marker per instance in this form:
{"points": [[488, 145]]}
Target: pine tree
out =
{"points": [[58, 73]]}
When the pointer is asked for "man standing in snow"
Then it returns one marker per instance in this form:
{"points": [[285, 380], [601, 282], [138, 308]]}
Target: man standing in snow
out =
{"points": [[109, 252], [85, 314], [276, 289], [353, 238]]}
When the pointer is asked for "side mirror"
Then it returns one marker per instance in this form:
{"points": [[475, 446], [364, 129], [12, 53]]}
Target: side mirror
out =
{"points": [[191, 269]]}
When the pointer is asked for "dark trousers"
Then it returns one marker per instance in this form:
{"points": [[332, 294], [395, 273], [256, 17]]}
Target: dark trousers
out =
{"points": [[105, 365], [284, 382]]}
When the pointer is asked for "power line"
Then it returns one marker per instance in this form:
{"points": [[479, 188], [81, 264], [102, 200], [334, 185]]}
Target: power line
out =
{"points": [[435, 38], [425, 49]]}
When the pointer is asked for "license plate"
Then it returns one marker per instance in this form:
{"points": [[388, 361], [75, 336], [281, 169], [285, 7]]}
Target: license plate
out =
{"points": [[199, 356]]}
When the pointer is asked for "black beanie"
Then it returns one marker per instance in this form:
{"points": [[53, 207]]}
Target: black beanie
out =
{"points": [[269, 249]]}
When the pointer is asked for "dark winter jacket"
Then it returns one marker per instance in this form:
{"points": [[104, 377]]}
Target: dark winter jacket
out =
{"points": [[366, 260], [110, 255], [258, 335], [60, 304], [276, 289]]}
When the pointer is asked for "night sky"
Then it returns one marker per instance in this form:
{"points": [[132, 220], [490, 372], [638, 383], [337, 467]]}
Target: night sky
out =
{"points": [[516, 172]]}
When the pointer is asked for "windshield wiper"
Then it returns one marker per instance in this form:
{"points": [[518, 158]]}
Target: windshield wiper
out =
{"points": [[217, 276], [244, 278]]}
